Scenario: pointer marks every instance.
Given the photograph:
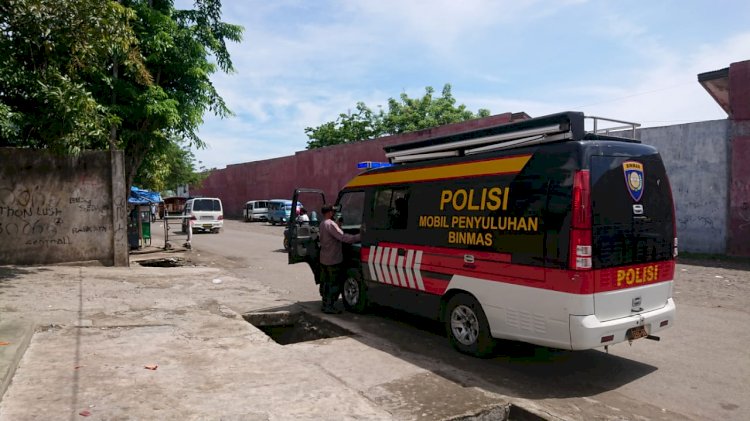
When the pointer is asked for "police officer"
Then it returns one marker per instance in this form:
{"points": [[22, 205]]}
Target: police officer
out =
{"points": [[331, 258]]}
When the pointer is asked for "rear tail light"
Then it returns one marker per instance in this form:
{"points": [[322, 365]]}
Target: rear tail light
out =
{"points": [[580, 228], [581, 200], [221, 217], [193, 217]]}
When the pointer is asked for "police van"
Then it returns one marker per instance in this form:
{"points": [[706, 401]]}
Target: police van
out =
{"points": [[537, 231]]}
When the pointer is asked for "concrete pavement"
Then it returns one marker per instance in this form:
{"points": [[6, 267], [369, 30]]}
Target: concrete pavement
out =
{"points": [[145, 343]]}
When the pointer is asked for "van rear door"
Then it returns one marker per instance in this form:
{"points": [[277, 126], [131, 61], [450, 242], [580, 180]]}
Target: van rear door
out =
{"points": [[303, 238], [633, 234]]}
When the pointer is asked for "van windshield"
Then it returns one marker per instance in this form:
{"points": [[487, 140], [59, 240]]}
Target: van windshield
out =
{"points": [[206, 205], [630, 224]]}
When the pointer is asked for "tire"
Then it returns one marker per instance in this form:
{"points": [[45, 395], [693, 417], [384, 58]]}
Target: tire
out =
{"points": [[286, 244], [354, 292], [467, 326]]}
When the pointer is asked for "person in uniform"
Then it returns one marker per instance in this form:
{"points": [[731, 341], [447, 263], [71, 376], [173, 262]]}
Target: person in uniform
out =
{"points": [[331, 258]]}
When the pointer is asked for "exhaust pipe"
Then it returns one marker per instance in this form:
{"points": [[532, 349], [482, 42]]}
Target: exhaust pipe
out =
{"points": [[653, 338]]}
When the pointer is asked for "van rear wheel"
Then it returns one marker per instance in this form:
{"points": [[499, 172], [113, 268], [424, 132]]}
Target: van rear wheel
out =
{"points": [[467, 326], [354, 293]]}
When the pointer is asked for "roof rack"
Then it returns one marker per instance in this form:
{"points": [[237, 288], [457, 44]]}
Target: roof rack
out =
{"points": [[624, 125], [552, 128]]}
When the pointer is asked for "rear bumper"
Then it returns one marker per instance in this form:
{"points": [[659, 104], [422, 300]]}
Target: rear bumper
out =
{"points": [[586, 332], [207, 225]]}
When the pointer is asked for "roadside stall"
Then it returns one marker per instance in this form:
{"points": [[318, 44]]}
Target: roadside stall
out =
{"points": [[141, 213]]}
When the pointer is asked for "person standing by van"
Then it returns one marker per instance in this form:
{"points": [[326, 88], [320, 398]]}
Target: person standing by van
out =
{"points": [[303, 219], [331, 258]]}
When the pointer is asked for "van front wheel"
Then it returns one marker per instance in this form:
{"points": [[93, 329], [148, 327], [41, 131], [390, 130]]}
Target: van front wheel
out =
{"points": [[467, 327], [354, 292]]}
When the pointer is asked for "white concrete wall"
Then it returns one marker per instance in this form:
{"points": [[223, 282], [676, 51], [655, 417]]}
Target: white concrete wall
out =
{"points": [[696, 156]]}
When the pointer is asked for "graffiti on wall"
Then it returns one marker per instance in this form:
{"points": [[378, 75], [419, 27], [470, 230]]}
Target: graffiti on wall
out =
{"points": [[31, 216], [57, 211]]}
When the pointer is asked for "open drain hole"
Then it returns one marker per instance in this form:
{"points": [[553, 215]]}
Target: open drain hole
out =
{"points": [[506, 412], [286, 327], [169, 262]]}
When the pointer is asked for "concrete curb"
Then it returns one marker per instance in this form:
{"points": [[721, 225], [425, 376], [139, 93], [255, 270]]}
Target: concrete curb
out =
{"points": [[18, 336]]}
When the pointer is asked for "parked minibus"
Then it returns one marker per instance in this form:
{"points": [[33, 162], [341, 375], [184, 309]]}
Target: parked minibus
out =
{"points": [[280, 211], [255, 210]]}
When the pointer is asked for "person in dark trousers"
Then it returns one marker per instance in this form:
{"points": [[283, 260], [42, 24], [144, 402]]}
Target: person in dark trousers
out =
{"points": [[331, 259]]}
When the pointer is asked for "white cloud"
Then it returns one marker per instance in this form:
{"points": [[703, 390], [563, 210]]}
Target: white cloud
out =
{"points": [[303, 63]]}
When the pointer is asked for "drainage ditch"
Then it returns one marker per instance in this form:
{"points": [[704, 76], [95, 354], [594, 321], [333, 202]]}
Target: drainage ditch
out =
{"points": [[169, 262], [508, 412], [287, 327]]}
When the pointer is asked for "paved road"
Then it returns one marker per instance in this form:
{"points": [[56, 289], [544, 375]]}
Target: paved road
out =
{"points": [[699, 370]]}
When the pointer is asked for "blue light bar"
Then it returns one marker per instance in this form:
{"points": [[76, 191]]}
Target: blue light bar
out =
{"points": [[371, 164]]}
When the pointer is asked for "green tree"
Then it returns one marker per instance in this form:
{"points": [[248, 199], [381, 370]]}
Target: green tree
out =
{"points": [[359, 125], [172, 167], [97, 74], [404, 115], [51, 51]]}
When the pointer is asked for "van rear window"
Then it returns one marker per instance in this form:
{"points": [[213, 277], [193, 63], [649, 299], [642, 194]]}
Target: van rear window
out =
{"points": [[206, 205], [632, 223]]}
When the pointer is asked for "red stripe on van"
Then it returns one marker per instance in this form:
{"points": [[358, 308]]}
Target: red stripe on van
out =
{"points": [[493, 267], [634, 276], [451, 252], [434, 285]]}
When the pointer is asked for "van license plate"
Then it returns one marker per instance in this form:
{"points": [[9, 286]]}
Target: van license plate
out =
{"points": [[636, 333], [206, 225]]}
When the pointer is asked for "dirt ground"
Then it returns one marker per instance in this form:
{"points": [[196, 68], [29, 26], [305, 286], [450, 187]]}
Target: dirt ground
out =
{"points": [[713, 283]]}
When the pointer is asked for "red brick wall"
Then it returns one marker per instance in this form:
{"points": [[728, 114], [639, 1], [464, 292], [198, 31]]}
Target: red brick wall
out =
{"points": [[739, 179], [327, 169]]}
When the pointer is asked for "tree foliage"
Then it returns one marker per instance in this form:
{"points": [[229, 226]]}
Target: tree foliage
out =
{"points": [[403, 115], [169, 169], [127, 74]]}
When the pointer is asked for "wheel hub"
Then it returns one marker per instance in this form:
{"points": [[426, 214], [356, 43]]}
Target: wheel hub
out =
{"points": [[464, 325], [351, 291]]}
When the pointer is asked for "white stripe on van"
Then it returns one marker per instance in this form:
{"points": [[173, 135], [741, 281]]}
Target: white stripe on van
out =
{"points": [[378, 272], [387, 267], [409, 264], [384, 265], [370, 264], [392, 266], [400, 269], [417, 268]]}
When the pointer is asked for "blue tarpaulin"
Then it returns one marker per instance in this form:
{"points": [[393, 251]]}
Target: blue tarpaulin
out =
{"points": [[143, 197]]}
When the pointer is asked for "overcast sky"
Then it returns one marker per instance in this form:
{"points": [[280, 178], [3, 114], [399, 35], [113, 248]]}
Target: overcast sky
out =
{"points": [[302, 62]]}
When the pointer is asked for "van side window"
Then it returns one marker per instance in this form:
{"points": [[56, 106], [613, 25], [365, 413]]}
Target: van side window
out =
{"points": [[352, 206], [391, 209]]}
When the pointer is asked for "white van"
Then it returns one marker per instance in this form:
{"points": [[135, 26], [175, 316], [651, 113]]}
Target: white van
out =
{"points": [[255, 210], [206, 214]]}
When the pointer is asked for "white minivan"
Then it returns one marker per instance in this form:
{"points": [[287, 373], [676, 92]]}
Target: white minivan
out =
{"points": [[255, 210], [204, 213]]}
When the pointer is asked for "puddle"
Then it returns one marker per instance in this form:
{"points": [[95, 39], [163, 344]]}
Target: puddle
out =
{"points": [[286, 327]]}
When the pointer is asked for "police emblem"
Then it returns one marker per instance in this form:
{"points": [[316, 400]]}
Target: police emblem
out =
{"points": [[634, 178]]}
